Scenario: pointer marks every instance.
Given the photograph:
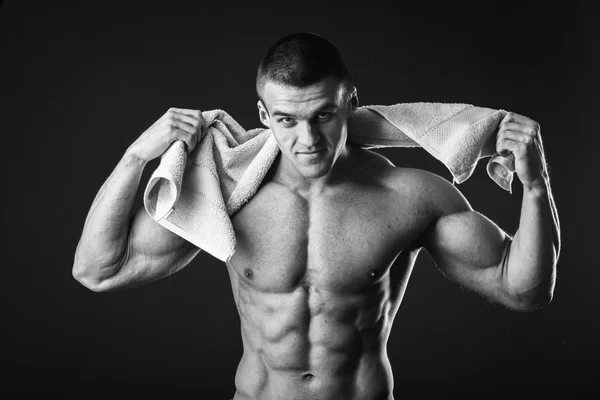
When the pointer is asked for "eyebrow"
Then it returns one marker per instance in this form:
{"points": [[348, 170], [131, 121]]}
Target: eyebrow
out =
{"points": [[318, 110]]}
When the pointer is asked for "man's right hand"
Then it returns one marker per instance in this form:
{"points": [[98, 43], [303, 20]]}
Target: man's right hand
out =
{"points": [[177, 124]]}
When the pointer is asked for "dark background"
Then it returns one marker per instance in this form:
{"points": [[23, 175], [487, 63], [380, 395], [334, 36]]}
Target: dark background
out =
{"points": [[80, 83]]}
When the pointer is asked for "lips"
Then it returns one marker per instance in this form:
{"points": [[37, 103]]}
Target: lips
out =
{"points": [[312, 152]]}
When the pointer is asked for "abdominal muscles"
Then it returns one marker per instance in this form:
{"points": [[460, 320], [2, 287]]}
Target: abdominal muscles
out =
{"points": [[311, 343]]}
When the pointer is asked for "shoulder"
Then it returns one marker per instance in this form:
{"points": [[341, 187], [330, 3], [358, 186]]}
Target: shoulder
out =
{"points": [[441, 196], [369, 158], [433, 192]]}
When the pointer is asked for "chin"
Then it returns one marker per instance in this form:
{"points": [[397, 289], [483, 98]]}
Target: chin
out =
{"points": [[314, 173], [314, 170]]}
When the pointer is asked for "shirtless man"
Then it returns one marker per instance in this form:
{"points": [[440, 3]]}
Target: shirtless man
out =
{"points": [[326, 246]]}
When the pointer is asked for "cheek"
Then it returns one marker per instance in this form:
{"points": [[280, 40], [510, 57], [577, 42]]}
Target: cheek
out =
{"points": [[285, 139], [334, 131]]}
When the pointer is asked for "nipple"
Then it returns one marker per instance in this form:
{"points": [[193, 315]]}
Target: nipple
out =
{"points": [[248, 273]]}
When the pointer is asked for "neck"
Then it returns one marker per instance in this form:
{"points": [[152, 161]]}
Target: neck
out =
{"points": [[286, 173]]}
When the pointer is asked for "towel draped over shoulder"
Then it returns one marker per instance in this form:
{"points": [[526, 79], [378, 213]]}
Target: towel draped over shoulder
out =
{"points": [[194, 195]]}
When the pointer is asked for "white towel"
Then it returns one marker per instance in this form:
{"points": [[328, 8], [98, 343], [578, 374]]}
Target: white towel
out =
{"points": [[194, 196]]}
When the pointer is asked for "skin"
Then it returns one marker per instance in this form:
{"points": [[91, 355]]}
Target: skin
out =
{"points": [[327, 245]]}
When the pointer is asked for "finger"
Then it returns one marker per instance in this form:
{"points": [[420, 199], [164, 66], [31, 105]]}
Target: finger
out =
{"points": [[505, 147], [513, 126], [188, 138], [519, 119], [184, 126], [191, 121], [197, 114], [528, 141], [515, 142], [193, 117], [516, 136]]}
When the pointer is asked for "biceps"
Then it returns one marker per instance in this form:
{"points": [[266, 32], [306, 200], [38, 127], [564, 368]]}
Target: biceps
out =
{"points": [[470, 249]]}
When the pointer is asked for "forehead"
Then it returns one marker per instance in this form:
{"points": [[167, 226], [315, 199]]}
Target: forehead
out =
{"points": [[278, 97]]}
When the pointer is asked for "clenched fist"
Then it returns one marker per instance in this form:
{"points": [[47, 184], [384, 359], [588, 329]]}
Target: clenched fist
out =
{"points": [[520, 136], [177, 124]]}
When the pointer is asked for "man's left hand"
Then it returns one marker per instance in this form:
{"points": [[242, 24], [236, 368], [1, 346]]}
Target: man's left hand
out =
{"points": [[520, 136]]}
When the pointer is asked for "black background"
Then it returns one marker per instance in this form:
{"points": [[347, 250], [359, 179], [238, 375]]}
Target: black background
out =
{"points": [[79, 83]]}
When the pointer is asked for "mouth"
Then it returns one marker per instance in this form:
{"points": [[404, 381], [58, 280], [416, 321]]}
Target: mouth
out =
{"points": [[311, 153]]}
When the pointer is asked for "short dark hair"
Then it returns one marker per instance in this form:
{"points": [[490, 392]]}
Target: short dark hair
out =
{"points": [[300, 60]]}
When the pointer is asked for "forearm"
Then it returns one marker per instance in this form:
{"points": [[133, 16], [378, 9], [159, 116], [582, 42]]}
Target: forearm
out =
{"points": [[534, 251], [103, 242]]}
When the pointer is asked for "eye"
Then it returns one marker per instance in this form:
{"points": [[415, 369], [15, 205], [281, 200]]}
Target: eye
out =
{"points": [[323, 115], [286, 120]]}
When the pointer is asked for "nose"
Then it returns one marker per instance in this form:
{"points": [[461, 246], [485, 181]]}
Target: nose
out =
{"points": [[309, 135]]}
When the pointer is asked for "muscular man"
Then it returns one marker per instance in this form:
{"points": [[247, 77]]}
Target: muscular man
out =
{"points": [[326, 246]]}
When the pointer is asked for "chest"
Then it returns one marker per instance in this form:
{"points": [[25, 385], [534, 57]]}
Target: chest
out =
{"points": [[344, 241]]}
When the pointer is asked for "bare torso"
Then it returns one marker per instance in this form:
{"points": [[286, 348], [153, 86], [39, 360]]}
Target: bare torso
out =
{"points": [[314, 287]]}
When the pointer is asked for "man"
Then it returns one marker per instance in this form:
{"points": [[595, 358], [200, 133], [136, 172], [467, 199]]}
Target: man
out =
{"points": [[327, 244]]}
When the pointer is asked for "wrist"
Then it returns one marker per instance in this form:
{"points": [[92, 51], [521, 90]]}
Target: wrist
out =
{"points": [[538, 186], [132, 157]]}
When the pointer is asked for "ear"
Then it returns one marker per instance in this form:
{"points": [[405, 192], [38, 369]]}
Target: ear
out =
{"points": [[263, 114], [354, 99]]}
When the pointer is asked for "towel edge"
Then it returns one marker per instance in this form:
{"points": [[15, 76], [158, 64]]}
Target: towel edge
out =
{"points": [[220, 254]]}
